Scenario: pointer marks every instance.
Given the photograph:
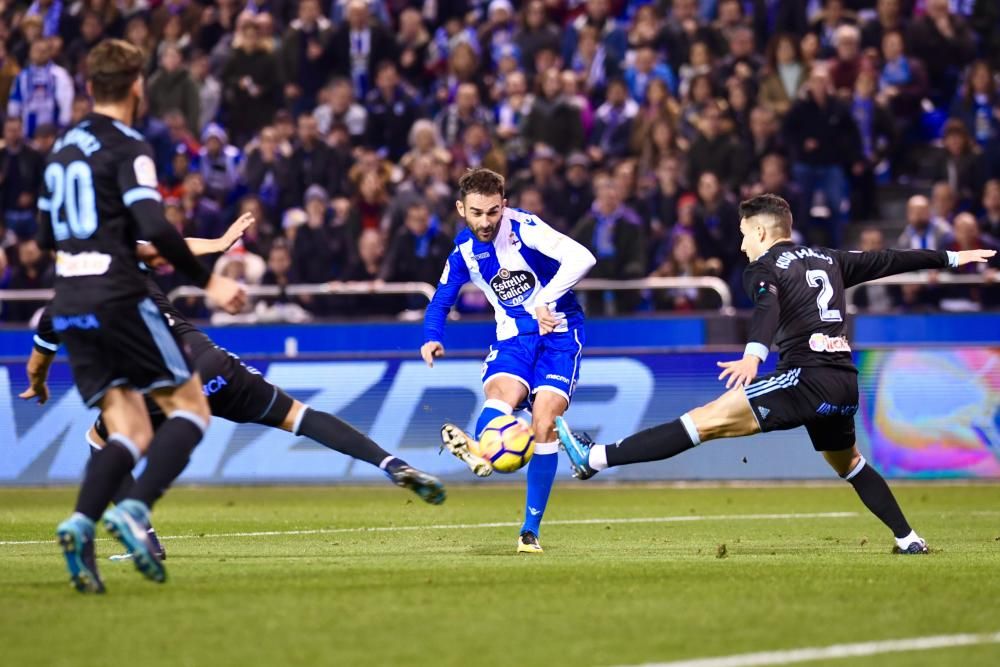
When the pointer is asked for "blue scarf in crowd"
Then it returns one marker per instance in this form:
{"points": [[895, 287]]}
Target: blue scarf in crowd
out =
{"points": [[50, 22], [896, 73]]}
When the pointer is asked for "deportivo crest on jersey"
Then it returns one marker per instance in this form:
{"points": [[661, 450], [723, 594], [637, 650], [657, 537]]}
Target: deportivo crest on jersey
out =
{"points": [[513, 287]]}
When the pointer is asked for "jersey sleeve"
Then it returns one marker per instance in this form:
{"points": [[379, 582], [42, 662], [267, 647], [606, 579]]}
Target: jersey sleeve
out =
{"points": [[762, 287], [137, 180], [44, 237], [46, 339], [860, 267], [455, 274], [574, 259]]}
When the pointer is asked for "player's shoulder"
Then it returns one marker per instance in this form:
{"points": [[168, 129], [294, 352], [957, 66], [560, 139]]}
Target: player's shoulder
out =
{"points": [[518, 217], [462, 238]]}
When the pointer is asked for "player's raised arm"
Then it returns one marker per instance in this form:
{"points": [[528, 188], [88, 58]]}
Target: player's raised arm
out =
{"points": [[762, 286], [860, 267], [575, 261], [455, 274]]}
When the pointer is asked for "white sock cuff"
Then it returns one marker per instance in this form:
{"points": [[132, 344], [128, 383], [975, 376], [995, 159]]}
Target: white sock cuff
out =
{"points": [[598, 459], [385, 462], [855, 470], [691, 429], [90, 441], [191, 417], [497, 404], [127, 443], [903, 542], [298, 419], [543, 448]]}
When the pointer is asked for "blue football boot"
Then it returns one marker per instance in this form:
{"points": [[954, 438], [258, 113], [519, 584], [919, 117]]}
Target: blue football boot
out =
{"points": [[577, 447], [128, 522], [76, 537]]}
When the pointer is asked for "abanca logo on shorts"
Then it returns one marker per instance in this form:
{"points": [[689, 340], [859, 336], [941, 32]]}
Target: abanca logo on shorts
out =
{"points": [[513, 287]]}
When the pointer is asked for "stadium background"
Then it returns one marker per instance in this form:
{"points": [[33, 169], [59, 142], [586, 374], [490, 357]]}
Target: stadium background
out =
{"points": [[635, 127]]}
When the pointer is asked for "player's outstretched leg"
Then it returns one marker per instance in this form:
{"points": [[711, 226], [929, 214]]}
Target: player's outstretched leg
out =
{"points": [[875, 493], [336, 434], [728, 416], [541, 469], [97, 436]]}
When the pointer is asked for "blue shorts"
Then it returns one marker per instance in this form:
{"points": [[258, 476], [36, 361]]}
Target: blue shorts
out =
{"points": [[541, 363]]}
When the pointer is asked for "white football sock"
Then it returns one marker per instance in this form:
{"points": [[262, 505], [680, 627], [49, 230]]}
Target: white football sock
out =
{"points": [[598, 459], [903, 542]]}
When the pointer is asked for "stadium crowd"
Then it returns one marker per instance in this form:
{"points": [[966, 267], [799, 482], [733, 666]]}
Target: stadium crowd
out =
{"points": [[635, 127]]}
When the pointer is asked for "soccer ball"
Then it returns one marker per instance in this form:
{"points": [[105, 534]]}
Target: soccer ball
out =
{"points": [[507, 443]]}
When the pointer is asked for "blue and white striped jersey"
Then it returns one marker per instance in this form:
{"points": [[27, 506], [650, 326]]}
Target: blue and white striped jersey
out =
{"points": [[527, 265]]}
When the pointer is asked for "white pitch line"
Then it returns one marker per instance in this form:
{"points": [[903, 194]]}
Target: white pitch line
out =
{"points": [[498, 524], [836, 651]]}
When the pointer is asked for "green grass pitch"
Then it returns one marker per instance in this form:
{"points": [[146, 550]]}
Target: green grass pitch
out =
{"points": [[630, 574]]}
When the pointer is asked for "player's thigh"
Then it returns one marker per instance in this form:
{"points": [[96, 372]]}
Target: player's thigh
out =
{"points": [[187, 397], [123, 411], [508, 369], [728, 416], [557, 368]]}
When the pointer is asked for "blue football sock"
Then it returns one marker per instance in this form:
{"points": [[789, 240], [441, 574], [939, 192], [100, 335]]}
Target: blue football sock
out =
{"points": [[541, 473], [492, 409]]}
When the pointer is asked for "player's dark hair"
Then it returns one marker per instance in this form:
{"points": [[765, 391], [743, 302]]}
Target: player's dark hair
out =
{"points": [[480, 181], [769, 205], [112, 68]]}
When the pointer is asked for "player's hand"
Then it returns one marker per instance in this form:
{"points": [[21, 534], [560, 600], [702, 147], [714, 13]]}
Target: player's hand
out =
{"points": [[741, 372], [974, 256], [236, 231], [430, 351], [226, 293], [38, 375], [547, 321]]}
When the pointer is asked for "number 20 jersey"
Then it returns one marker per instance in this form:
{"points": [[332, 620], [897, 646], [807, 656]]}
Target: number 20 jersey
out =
{"points": [[94, 173], [800, 297]]}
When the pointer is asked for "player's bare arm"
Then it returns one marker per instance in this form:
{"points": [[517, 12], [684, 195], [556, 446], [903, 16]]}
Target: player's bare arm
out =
{"points": [[38, 375]]}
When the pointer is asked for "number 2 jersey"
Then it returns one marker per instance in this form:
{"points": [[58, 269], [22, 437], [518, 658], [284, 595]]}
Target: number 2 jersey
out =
{"points": [[99, 196], [800, 298]]}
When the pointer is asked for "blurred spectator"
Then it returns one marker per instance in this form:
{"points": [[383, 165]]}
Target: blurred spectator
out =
{"points": [[417, 251], [921, 231], [873, 297], [209, 90], [42, 92], [476, 149], [978, 105], [984, 20], [9, 70], [903, 79], [219, 163], [967, 236], [187, 11], [846, 64], [91, 33], [609, 139], [774, 180], [646, 29], [944, 203], [959, 163], [137, 33], [20, 180], [465, 110], [553, 119], [392, 111], [512, 114], [684, 27], [172, 88], [889, 17], [717, 225], [742, 61], [877, 131], [45, 139], [251, 82], [55, 22], [613, 232], [535, 33], [267, 172], [659, 142], [684, 261], [715, 150], [203, 211], [313, 162], [664, 198], [764, 139], [578, 194], [358, 46], [302, 50], [592, 64], [823, 138], [367, 266], [323, 246], [542, 175], [644, 69], [33, 271], [338, 107], [785, 75], [945, 43], [597, 16], [989, 221], [700, 62], [826, 22], [412, 47], [281, 273]]}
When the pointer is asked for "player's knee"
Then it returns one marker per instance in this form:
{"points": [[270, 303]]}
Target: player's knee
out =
{"points": [[544, 428]]}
